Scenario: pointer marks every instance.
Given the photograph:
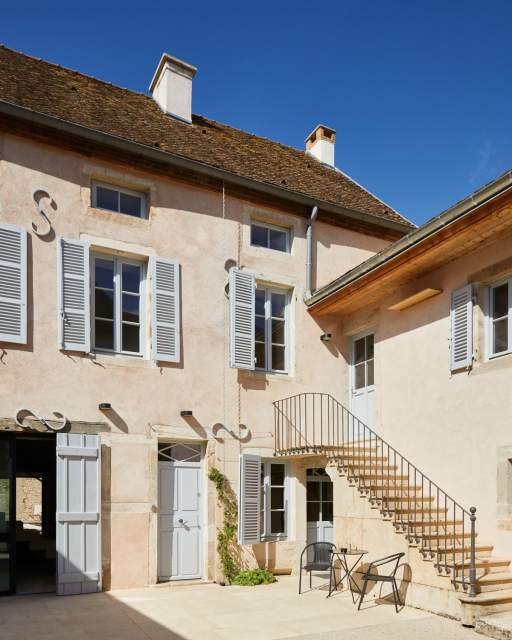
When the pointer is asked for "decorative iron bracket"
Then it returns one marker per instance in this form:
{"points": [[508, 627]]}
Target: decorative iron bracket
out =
{"points": [[23, 414], [245, 432], [38, 195]]}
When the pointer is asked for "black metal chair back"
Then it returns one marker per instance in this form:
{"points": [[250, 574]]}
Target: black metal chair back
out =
{"points": [[320, 559]]}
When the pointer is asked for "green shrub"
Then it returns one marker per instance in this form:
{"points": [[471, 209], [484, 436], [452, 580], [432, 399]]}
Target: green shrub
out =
{"points": [[253, 577]]}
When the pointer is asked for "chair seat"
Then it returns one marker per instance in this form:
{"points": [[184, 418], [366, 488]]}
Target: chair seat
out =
{"points": [[317, 566], [377, 577]]}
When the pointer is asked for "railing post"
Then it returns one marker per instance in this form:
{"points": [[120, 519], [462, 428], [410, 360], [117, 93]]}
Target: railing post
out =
{"points": [[472, 567]]}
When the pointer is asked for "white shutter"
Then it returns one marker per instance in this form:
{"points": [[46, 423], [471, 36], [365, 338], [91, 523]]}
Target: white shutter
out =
{"points": [[13, 284], [249, 499], [242, 286], [78, 513], [461, 352], [165, 309], [74, 296]]}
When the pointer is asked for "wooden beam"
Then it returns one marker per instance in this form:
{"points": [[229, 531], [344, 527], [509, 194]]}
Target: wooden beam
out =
{"points": [[424, 294]]}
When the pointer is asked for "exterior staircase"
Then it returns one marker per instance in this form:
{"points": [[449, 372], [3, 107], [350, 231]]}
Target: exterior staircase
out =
{"points": [[441, 529]]}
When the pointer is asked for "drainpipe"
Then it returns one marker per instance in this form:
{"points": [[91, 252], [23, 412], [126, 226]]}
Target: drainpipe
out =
{"points": [[309, 251]]}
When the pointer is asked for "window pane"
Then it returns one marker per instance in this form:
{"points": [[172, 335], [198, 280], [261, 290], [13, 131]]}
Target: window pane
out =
{"points": [[106, 199], [359, 351], [260, 355], [313, 490], [277, 522], [104, 304], [278, 305], [370, 372], [259, 328], [104, 273], [277, 240], [313, 510], [327, 491], [278, 359], [130, 308], [131, 278], [277, 498], [369, 346], [131, 205], [277, 474], [130, 338], [359, 376], [500, 301], [259, 236], [260, 302], [104, 334], [327, 511], [500, 341], [278, 331]]}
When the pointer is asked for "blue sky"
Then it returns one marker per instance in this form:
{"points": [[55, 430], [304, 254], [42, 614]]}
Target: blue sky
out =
{"points": [[418, 92]]}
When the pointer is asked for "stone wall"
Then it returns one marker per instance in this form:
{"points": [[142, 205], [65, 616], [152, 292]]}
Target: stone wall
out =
{"points": [[28, 500]]}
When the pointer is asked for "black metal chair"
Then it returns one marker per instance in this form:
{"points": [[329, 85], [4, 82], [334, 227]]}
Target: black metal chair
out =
{"points": [[370, 576], [321, 560]]}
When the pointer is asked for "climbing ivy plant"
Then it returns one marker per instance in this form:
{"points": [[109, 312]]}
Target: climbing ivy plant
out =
{"points": [[227, 546]]}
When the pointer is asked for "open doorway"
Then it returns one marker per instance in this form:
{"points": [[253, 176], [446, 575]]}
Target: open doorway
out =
{"points": [[27, 513], [319, 506], [35, 514]]}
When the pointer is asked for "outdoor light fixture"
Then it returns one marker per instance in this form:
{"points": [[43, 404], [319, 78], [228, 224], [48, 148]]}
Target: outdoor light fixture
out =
{"points": [[186, 414], [104, 406], [326, 337]]}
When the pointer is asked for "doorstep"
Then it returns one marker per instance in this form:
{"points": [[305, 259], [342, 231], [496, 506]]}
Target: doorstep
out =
{"points": [[170, 584], [496, 625]]}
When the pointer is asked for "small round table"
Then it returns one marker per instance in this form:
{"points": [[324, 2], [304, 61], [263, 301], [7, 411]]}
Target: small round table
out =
{"points": [[345, 556]]}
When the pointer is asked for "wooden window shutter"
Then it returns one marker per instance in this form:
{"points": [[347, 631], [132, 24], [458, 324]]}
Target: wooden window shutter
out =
{"points": [[242, 286], [249, 499], [461, 339], [165, 309], [13, 284], [74, 295]]}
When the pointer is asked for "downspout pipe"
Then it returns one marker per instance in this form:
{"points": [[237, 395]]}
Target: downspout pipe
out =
{"points": [[309, 252]]}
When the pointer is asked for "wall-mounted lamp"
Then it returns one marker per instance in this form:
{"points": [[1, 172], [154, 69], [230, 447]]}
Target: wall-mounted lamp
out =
{"points": [[104, 406], [326, 337], [186, 414]]}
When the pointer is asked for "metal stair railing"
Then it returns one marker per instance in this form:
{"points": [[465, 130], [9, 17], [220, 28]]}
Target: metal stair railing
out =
{"points": [[316, 423]]}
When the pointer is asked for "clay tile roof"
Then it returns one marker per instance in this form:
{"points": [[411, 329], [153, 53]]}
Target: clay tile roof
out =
{"points": [[80, 99]]}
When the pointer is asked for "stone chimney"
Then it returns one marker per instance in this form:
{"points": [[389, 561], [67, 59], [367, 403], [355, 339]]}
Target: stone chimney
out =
{"points": [[171, 87], [320, 144]]}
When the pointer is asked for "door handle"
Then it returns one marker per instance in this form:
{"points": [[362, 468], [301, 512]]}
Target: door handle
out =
{"points": [[180, 521]]}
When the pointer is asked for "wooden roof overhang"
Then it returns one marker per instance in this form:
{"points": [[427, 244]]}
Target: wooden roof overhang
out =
{"points": [[480, 225]]}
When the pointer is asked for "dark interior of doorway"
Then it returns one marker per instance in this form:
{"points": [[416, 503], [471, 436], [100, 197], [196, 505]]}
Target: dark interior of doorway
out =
{"points": [[35, 471]]}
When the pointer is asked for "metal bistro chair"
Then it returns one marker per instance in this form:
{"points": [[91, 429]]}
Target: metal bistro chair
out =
{"points": [[370, 576], [321, 560]]}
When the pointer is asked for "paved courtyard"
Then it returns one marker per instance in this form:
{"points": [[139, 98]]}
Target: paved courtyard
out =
{"points": [[211, 612]]}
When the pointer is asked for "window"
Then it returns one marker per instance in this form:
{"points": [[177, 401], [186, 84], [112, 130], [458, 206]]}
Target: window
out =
{"points": [[319, 499], [270, 237], [132, 203], [500, 318], [273, 499], [117, 305], [363, 360], [271, 329]]}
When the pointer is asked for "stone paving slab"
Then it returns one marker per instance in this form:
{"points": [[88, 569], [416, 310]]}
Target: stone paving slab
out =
{"points": [[212, 612]]}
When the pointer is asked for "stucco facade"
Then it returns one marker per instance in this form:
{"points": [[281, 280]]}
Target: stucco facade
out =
{"points": [[205, 231]]}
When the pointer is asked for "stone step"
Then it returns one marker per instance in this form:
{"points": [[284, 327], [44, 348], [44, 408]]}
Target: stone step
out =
{"points": [[401, 489], [383, 478], [498, 581], [489, 564], [465, 550], [408, 500], [349, 457], [445, 536], [421, 513], [431, 524]]}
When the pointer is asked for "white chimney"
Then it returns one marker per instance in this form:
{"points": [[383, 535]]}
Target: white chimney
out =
{"points": [[320, 144], [171, 87]]}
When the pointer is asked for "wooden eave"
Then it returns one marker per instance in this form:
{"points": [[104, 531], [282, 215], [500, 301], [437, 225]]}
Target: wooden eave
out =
{"points": [[476, 229]]}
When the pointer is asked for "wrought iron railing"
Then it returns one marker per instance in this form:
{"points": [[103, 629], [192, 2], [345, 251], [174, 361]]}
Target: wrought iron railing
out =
{"points": [[316, 423]]}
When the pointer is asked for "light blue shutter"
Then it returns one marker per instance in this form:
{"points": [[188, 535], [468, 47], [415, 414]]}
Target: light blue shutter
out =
{"points": [[165, 309], [461, 340], [74, 296], [249, 499], [242, 286], [78, 538], [13, 284]]}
